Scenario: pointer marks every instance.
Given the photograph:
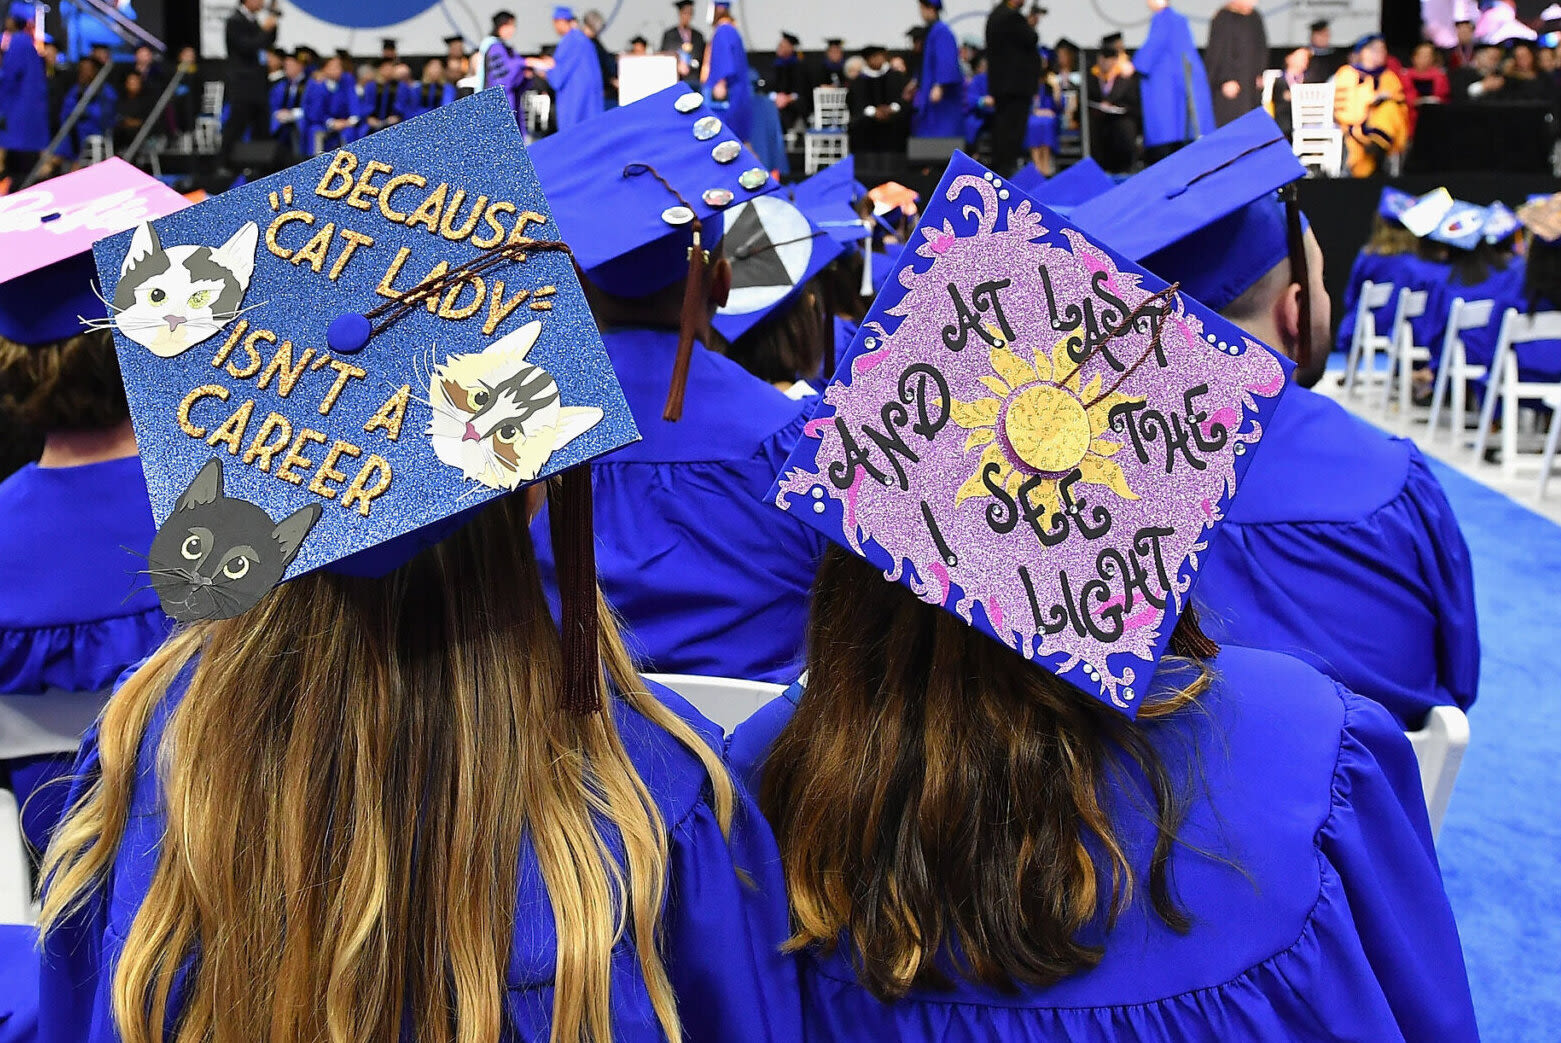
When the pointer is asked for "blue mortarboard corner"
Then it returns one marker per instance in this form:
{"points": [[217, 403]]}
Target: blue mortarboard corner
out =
{"points": [[774, 248], [997, 437], [1078, 184], [1462, 227], [496, 380]]}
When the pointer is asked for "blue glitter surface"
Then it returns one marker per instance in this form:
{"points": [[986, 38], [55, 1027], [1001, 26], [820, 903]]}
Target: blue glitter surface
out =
{"points": [[472, 145]]}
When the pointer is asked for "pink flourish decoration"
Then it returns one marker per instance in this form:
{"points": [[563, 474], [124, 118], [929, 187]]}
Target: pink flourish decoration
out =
{"points": [[1227, 416], [941, 242], [815, 428], [1208, 509], [1272, 387], [940, 574], [1141, 619]]}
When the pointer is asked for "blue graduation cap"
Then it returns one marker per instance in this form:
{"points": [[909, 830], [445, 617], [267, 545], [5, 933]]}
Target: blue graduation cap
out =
{"points": [[631, 186], [1026, 485], [1462, 227], [1426, 212], [1078, 184], [47, 291], [774, 249], [563, 14], [829, 198], [1393, 202], [333, 366], [1500, 223], [1207, 215]]}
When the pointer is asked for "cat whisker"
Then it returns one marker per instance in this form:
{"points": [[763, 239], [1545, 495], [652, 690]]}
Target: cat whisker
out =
{"points": [[143, 587], [93, 286], [131, 550], [222, 318]]}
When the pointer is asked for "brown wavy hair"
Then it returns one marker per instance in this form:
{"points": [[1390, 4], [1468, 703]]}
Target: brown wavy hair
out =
{"points": [[943, 803], [72, 385], [347, 784], [790, 345]]}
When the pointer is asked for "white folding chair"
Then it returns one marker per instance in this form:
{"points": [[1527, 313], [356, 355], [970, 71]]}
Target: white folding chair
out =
{"points": [[1454, 370], [1403, 352], [830, 110], [539, 107], [1366, 341], [728, 701], [1505, 384], [33, 725], [1439, 748], [95, 148], [825, 141], [208, 135], [1315, 138], [211, 99], [1270, 77]]}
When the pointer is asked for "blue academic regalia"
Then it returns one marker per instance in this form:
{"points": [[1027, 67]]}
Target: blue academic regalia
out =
{"points": [[977, 111], [576, 79], [729, 64], [381, 101], [939, 65], [24, 97], [418, 98], [289, 94], [1342, 550], [96, 119], [1504, 286], [1169, 67], [1368, 267], [1041, 130], [1417, 273], [1307, 866], [768, 140], [71, 620], [709, 578], [720, 941], [324, 101]]}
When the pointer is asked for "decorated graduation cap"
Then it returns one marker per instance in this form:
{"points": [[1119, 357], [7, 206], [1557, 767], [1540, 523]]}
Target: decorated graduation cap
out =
{"points": [[46, 237], [1462, 227], [1392, 204], [333, 366], [1422, 217], [1036, 435], [640, 193], [1500, 223], [1541, 215], [774, 249]]}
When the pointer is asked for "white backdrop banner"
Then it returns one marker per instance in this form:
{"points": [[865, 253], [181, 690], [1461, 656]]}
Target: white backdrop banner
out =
{"points": [[420, 25]]}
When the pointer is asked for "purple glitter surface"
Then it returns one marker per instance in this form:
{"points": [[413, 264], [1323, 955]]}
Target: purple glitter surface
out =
{"points": [[1124, 457]]}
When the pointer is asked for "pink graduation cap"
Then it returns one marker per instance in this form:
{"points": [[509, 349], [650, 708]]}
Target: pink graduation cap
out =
{"points": [[1035, 434], [46, 237]]}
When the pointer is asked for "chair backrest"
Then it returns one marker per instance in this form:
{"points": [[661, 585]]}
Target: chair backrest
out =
{"points": [[1517, 328], [829, 108], [728, 701], [1311, 106], [211, 98], [1374, 295], [1439, 747], [1270, 77], [40, 723], [539, 107], [1411, 305]]}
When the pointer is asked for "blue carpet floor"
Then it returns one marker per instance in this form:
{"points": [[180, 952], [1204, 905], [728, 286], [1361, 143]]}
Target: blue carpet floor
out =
{"points": [[1501, 844]]}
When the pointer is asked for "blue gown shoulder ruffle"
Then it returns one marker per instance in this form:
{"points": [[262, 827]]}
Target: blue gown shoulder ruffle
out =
{"points": [[1342, 550], [717, 888], [74, 610], [1307, 866], [709, 578]]}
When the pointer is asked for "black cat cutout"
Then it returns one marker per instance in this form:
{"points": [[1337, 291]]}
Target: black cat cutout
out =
{"points": [[216, 556]]}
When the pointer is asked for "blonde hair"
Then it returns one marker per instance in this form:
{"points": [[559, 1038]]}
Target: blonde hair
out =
{"points": [[347, 782]]}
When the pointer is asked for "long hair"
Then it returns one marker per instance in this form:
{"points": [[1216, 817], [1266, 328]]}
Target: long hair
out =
{"points": [[347, 783], [945, 803], [790, 345], [1389, 238], [1542, 275], [1472, 267], [70, 385]]}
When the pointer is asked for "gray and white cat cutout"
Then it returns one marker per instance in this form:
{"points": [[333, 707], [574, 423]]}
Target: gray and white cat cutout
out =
{"points": [[169, 300], [497, 417]]}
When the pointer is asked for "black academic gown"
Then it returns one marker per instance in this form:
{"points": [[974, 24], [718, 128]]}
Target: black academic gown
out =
{"points": [[1238, 50], [878, 133], [693, 51], [792, 77], [1114, 136]]}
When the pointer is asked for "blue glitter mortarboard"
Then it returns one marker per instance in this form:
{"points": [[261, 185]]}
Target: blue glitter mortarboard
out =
{"points": [[389, 334]]}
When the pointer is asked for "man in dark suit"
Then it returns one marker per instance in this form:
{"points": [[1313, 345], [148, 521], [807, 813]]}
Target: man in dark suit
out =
{"points": [[1013, 73], [249, 35], [686, 42]]}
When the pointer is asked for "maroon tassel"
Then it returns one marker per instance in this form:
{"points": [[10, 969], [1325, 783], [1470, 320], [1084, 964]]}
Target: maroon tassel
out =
{"points": [[692, 321], [1299, 275], [1188, 639], [574, 549]]}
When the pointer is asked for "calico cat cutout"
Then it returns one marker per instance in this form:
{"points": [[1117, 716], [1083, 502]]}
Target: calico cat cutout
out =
{"points": [[169, 300], [497, 417], [216, 556]]}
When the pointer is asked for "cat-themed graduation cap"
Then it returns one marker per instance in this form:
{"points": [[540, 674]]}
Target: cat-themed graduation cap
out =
{"points": [[47, 277], [330, 367], [1035, 434]]}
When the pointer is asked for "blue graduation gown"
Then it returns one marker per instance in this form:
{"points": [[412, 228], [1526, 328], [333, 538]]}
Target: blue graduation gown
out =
{"points": [[96, 119], [1041, 130], [1331, 924], [24, 97], [708, 576], [1505, 288], [74, 612], [289, 94], [326, 101], [729, 64], [939, 65], [1169, 67], [378, 100], [1342, 550], [418, 98], [576, 79], [1417, 273], [1368, 267], [720, 939], [977, 111]]}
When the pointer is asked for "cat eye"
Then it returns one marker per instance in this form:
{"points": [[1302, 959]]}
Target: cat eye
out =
{"points": [[238, 568], [508, 433], [192, 548], [480, 398], [201, 298], [157, 296]]}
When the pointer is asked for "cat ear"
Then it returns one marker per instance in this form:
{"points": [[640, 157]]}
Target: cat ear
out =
{"points": [[574, 421], [207, 487], [143, 244], [291, 530], [237, 255], [516, 342]]}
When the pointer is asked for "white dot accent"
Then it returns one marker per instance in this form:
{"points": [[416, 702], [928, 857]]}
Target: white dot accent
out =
{"points": [[818, 508], [1003, 194], [818, 494]]}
